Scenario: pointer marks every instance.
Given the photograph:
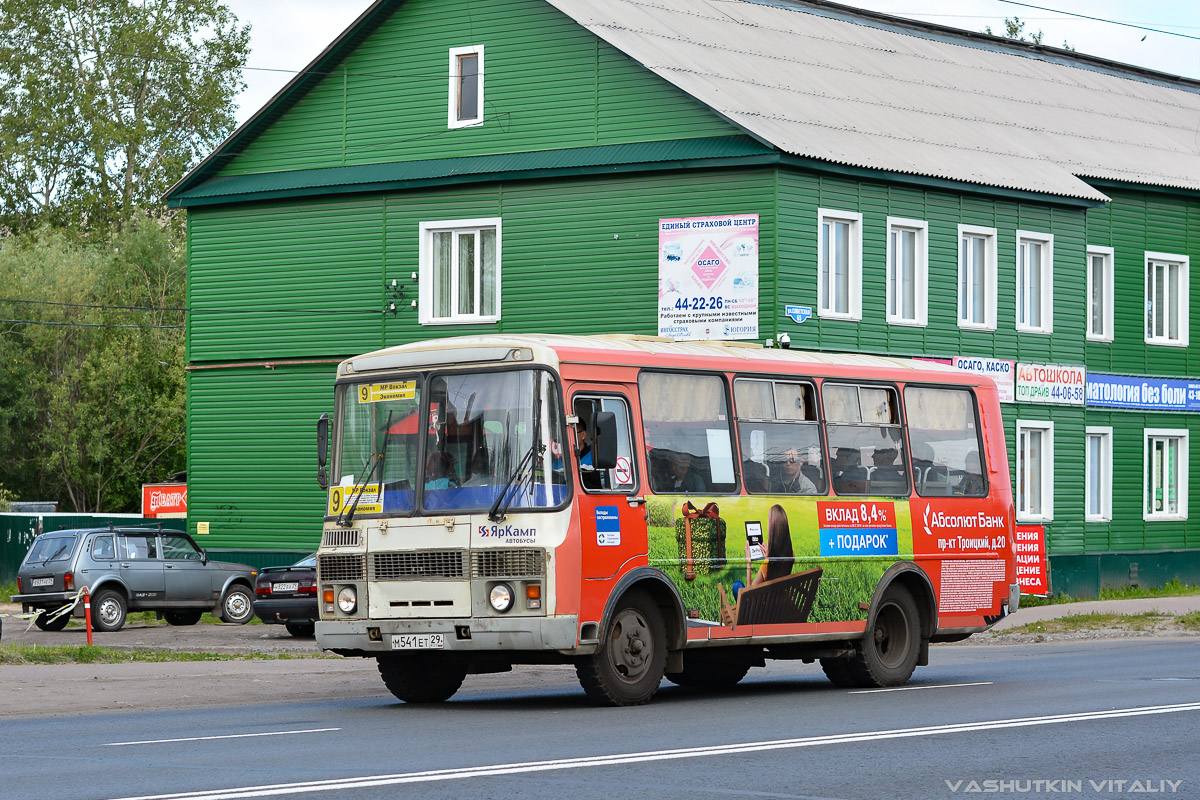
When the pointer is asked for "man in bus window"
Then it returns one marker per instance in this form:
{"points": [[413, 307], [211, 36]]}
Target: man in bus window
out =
{"points": [[683, 479], [792, 479], [849, 475], [590, 477]]}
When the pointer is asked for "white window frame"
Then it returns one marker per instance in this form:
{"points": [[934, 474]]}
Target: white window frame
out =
{"points": [[1101, 472], [452, 118], [1180, 303], [853, 264], [1106, 256], [1047, 478], [1046, 268], [989, 278], [1149, 434], [920, 318], [426, 282]]}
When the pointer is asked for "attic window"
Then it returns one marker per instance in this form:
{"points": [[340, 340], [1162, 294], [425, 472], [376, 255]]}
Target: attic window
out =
{"points": [[466, 86]]}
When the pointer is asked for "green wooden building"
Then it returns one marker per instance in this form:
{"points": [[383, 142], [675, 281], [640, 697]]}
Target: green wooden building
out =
{"points": [[453, 167]]}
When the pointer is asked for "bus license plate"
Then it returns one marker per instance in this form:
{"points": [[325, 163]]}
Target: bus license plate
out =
{"points": [[424, 641], [39, 582]]}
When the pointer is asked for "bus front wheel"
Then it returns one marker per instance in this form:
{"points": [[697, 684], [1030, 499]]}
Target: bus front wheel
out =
{"points": [[888, 653], [629, 665], [422, 677]]}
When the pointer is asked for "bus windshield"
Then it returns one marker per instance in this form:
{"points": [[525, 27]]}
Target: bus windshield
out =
{"points": [[453, 442]]}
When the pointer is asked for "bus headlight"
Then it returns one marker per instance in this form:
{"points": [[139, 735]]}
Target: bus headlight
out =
{"points": [[501, 597], [348, 600]]}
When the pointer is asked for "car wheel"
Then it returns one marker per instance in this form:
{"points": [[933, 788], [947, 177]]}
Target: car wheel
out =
{"points": [[629, 666], [108, 611], [52, 624], [301, 629], [182, 617], [238, 606], [422, 677]]}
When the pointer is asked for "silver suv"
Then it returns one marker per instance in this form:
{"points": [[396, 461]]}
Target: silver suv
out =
{"points": [[131, 569]]}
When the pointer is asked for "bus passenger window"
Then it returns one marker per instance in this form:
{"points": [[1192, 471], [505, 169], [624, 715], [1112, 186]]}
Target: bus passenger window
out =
{"points": [[947, 451], [865, 440], [688, 439], [780, 437]]}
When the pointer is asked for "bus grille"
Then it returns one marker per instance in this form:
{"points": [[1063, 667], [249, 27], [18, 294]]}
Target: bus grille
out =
{"points": [[341, 538], [508, 563], [341, 568], [418, 564]]}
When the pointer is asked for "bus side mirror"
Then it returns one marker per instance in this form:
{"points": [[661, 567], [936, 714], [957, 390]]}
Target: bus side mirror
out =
{"points": [[322, 450], [604, 449]]}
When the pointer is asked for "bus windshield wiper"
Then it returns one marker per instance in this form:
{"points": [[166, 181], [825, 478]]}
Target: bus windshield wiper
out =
{"points": [[376, 464], [504, 500]]}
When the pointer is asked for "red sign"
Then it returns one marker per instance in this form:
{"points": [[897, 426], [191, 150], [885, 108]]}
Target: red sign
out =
{"points": [[1030, 547], [164, 500]]}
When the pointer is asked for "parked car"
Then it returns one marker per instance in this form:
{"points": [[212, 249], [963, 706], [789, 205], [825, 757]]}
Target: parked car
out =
{"points": [[131, 569], [288, 596]]}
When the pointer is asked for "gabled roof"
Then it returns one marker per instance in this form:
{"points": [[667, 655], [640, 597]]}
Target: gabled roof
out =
{"points": [[862, 90]]}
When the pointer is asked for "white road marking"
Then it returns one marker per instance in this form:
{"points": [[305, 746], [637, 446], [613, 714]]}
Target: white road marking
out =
{"points": [[226, 736], [345, 784], [913, 688]]}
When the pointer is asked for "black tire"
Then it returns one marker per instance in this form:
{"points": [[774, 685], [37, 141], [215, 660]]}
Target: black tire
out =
{"points": [[238, 605], [182, 617], [52, 624], [108, 611], [301, 630], [628, 667], [709, 672], [888, 653], [422, 677], [838, 672]]}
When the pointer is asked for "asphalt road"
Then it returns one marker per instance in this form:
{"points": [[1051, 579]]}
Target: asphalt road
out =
{"points": [[1085, 718]]}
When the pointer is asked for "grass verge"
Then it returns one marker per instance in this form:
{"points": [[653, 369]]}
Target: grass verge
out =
{"points": [[32, 654], [1172, 589]]}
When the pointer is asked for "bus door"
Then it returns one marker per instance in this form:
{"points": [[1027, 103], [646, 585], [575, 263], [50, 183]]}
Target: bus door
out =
{"points": [[612, 510]]}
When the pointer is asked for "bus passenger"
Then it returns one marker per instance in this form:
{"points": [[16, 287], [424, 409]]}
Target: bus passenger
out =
{"points": [[683, 479], [849, 475], [793, 480], [439, 471], [481, 471]]}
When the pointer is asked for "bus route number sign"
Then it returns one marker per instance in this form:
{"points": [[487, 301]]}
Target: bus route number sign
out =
{"points": [[379, 392]]}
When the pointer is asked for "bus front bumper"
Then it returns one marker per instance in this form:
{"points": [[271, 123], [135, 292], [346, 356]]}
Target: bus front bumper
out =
{"points": [[376, 637]]}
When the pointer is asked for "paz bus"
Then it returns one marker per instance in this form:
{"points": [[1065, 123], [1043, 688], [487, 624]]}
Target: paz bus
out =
{"points": [[643, 508]]}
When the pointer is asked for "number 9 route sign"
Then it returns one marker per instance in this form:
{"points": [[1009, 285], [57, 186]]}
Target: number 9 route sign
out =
{"points": [[708, 277]]}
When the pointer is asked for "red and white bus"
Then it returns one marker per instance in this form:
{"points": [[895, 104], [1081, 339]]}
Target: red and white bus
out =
{"points": [[639, 507]]}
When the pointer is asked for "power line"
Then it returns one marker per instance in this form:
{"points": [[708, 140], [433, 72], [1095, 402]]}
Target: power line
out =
{"points": [[1102, 19], [89, 324]]}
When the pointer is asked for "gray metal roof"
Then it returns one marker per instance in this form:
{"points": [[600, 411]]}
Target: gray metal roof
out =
{"points": [[854, 93]]}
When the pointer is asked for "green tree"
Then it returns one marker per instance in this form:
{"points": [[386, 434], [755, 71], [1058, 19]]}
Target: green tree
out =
{"points": [[92, 383], [1014, 28], [105, 103]]}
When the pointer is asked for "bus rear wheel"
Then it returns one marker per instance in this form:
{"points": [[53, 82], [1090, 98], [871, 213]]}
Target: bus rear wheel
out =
{"points": [[703, 671], [628, 667], [888, 653], [422, 677]]}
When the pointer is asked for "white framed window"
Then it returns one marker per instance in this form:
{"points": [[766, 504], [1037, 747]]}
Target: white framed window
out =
{"points": [[1035, 282], [1165, 485], [460, 271], [1035, 471], [466, 86], [839, 264], [976, 277], [1098, 474], [1100, 294], [1166, 299], [907, 271]]}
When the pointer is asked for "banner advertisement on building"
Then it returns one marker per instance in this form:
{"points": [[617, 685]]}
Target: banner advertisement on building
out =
{"points": [[165, 500], [1050, 383], [1146, 394], [708, 277], [1030, 547], [1002, 371]]}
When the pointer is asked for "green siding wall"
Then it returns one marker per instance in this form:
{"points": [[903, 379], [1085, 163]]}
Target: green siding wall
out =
{"points": [[252, 466], [549, 84], [1133, 224]]}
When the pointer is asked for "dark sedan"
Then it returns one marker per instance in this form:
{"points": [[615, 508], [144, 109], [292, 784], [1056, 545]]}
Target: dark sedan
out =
{"points": [[288, 596]]}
